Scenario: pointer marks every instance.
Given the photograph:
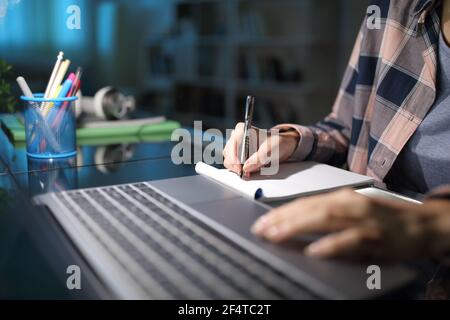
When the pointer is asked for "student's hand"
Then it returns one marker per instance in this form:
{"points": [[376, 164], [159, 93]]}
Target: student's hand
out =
{"points": [[284, 142], [359, 227]]}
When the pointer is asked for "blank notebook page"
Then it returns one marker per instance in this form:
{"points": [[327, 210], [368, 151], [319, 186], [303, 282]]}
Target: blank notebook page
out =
{"points": [[292, 180]]}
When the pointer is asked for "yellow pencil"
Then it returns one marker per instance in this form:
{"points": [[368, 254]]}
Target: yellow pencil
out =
{"points": [[58, 79]]}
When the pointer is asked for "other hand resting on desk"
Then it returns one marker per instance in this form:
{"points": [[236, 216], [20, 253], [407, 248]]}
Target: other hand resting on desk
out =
{"points": [[359, 227]]}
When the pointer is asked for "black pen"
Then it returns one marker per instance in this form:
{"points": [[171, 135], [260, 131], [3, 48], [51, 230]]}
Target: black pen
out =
{"points": [[245, 138]]}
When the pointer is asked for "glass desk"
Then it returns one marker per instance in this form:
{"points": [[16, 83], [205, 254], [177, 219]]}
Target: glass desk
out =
{"points": [[34, 251]]}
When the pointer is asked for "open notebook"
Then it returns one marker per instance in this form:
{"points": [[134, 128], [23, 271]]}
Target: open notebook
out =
{"points": [[293, 179]]}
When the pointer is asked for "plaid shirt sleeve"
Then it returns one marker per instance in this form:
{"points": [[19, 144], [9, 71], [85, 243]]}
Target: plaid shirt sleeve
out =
{"points": [[328, 140]]}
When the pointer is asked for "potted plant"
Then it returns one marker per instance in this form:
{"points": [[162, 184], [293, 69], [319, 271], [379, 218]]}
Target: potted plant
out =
{"points": [[7, 100]]}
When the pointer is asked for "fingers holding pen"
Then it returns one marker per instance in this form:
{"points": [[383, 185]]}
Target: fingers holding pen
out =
{"points": [[258, 159], [231, 150]]}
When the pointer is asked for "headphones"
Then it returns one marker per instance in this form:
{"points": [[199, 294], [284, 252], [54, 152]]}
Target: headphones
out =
{"points": [[107, 104]]}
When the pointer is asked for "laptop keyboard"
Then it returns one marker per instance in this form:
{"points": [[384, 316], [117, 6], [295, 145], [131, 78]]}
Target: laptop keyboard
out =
{"points": [[169, 252]]}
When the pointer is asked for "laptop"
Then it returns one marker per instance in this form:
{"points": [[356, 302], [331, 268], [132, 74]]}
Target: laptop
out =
{"points": [[189, 238]]}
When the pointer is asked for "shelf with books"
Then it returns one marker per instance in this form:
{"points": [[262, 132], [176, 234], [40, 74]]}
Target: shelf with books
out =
{"points": [[222, 123], [273, 41], [271, 88], [252, 87], [239, 40], [273, 49], [163, 82]]}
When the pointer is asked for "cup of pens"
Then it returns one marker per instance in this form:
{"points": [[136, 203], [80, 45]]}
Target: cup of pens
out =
{"points": [[50, 126], [50, 121]]}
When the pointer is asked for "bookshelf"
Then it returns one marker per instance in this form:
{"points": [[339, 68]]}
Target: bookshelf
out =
{"points": [[218, 51]]}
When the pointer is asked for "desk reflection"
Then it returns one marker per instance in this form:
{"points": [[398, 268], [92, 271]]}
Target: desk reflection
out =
{"points": [[112, 157], [51, 175]]}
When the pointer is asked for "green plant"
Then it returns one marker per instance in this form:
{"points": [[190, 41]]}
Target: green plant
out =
{"points": [[7, 100]]}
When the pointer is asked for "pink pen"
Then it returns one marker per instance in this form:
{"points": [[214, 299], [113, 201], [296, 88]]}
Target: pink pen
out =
{"points": [[61, 110]]}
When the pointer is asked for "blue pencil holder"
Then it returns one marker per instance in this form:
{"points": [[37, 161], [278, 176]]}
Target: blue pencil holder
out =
{"points": [[50, 127]]}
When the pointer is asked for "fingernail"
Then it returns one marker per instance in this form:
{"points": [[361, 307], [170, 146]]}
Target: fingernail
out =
{"points": [[247, 167], [313, 250], [255, 229], [272, 232], [260, 224]]}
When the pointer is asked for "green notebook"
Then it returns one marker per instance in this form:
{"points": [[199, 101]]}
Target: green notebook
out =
{"points": [[14, 125], [96, 136]]}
